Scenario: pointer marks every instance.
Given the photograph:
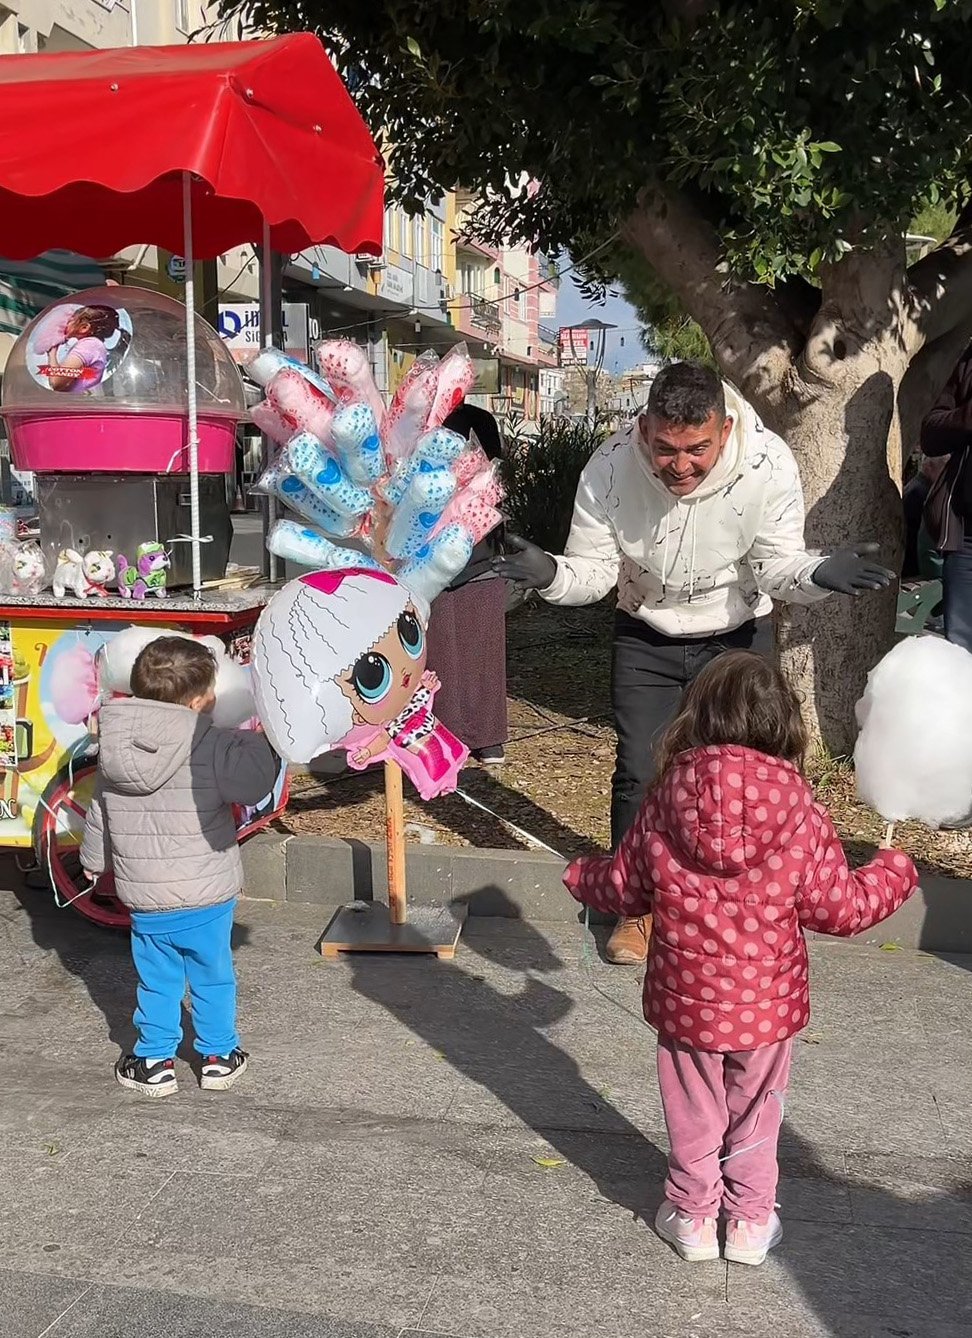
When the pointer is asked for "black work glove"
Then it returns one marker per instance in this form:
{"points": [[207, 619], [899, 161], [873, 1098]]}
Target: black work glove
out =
{"points": [[851, 571], [526, 565]]}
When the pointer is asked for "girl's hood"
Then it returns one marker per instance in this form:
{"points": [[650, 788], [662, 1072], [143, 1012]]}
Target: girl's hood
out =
{"points": [[727, 809]]}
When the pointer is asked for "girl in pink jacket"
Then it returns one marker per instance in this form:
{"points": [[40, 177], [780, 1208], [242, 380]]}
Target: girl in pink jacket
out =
{"points": [[734, 859]]}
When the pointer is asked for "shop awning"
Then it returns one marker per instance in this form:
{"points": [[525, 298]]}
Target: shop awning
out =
{"points": [[28, 286], [95, 146]]}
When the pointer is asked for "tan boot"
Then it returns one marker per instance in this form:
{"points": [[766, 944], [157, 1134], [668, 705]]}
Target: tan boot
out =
{"points": [[628, 944]]}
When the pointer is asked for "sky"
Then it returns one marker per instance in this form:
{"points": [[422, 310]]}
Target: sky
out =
{"points": [[572, 308]]}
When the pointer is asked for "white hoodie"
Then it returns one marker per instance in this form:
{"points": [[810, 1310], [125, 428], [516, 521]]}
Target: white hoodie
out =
{"points": [[695, 565]]}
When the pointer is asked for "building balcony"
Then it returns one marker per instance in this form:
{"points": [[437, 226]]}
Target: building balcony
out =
{"points": [[483, 315]]}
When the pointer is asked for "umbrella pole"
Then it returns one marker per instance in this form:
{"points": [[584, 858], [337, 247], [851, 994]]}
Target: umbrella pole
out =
{"points": [[191, 378], [269, 509]]}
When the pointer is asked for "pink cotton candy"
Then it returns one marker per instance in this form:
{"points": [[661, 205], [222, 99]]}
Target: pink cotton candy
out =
{"points": [[405, 421], [470, 463], [456, 378], [73, 685], [270, 423], [299, 405], [346, 366]]}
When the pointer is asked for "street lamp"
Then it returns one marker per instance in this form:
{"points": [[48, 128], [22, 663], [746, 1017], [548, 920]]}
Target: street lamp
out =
{"points": [[598, 329]]}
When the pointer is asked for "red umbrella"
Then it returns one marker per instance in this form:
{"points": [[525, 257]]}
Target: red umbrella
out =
{"points": [[94, 146]]}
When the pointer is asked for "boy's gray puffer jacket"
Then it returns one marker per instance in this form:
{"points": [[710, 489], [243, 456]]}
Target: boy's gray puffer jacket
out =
{"points": [[161, 815]]}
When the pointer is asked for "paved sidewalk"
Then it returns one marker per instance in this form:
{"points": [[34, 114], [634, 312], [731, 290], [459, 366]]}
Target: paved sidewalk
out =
{"points": [[469, 1148]]}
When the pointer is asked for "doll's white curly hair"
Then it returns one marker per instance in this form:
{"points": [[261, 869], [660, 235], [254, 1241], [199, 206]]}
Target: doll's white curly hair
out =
{"points": [[311, 632]]}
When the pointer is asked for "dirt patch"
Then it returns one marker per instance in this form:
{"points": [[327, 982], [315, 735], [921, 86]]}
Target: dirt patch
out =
{"points": [[557, 782]]}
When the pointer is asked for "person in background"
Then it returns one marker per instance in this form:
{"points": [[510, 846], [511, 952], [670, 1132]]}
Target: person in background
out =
{"points": [[467, 629], [736, 858], [695, 513], [947, 433]]}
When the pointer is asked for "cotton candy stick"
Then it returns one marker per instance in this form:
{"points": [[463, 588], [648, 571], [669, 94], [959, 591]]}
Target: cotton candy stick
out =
{"points": [[265, 365], [456, 378], [299, 404], [308, 548], [312, 464], [418, 512], [355, 438], [270, 423], [346, 365], [437, 563], [405, 421], [439, 447]]}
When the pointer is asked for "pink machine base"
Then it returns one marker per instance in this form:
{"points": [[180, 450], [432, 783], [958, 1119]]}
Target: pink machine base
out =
{"points": [[118, 443]]}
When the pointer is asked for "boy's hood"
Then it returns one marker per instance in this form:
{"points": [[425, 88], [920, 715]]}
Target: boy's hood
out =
{"points": [[728, 809], [144, 743]]}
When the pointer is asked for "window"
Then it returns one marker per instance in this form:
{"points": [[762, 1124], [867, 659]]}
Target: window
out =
{"points": [[392, 230], [436, 243], [418, 239], [472, 279]]}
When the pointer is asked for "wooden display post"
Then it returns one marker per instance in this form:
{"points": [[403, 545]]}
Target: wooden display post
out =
{"points": [[371, 926]]}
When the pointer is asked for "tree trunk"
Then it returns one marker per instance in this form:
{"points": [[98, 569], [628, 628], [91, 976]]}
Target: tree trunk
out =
{"points": [[847, 447]]}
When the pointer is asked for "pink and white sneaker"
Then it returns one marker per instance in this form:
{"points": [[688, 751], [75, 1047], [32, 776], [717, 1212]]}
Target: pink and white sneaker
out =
{"points": [[694, 1238], [751, 1242]]}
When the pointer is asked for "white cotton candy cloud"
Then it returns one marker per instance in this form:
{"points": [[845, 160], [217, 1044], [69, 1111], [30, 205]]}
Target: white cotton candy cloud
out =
{"points": [[914, 752]]}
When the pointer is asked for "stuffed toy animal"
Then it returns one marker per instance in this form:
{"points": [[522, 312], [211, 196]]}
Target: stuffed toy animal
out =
{"points": [[83, 576], [29, 572], [147, 575]]}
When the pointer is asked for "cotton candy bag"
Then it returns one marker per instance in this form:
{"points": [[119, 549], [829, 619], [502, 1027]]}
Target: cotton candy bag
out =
{"points": [[914, 753]]}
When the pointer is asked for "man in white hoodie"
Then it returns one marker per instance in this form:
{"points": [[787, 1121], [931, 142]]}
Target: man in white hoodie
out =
{"points": [[695, 512]]}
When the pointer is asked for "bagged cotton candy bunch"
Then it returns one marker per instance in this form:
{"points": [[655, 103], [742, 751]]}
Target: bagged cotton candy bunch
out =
{"points": [[374, 488], [914, 752]]}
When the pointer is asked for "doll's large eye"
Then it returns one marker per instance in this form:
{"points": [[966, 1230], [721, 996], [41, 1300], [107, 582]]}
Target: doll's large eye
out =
{"points": [[372, 678], [410, 634]]}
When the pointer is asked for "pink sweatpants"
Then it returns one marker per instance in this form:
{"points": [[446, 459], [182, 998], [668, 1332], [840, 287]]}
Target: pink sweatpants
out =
{"points": [[723, 1114]]}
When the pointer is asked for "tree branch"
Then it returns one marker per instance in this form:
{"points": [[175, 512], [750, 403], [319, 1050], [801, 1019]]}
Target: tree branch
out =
{"points": [[751, 338], [941, 285]]}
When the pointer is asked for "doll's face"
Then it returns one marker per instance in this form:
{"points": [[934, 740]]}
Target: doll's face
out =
{"points": [[382, 682]]}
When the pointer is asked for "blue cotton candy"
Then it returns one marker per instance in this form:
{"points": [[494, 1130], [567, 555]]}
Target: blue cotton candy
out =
{"points": [[307, 547], [417, 515], [322, 474], [354, 433], [436, 563]]}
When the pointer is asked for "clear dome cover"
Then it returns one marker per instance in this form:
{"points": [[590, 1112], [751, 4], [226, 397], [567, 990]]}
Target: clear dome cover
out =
{"points": [[118, 349]]}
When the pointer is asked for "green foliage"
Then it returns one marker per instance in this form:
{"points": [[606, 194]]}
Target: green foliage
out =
{"points": [[803, 127], [541, 473]]}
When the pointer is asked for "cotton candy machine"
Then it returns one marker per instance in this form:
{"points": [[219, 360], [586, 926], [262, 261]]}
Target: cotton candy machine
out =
{"points": [[95, 402]]}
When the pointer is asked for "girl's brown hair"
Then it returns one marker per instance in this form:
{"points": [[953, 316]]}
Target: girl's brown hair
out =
{"points": [[743, 699]]}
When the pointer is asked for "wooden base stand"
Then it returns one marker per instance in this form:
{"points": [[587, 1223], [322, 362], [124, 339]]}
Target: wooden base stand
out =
{"points": [[371, 926], [367, 926]]}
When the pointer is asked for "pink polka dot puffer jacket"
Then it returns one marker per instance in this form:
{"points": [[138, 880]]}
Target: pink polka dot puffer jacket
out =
{"points": [[734, 858]]}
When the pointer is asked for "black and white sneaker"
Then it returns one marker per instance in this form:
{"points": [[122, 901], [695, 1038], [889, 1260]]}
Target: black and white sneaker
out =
{"points": [[220, 1072], [491, 757], [148, 1077]]}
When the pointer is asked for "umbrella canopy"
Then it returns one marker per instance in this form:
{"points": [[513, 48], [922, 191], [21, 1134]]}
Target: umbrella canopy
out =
{"points": [[94, 145]]}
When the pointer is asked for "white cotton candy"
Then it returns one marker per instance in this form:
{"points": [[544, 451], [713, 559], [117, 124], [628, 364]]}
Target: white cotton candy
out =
{"points": [[914, 751]]}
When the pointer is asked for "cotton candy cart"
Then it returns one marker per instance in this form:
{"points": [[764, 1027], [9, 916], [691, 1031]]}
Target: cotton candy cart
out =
{"points": [[205, 147], [48, 651]]}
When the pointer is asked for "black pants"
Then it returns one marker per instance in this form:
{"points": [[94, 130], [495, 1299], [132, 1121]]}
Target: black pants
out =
{"points": [[648, 674], [957, 587]]}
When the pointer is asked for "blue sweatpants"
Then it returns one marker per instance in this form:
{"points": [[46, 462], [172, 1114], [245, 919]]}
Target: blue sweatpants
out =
{"points": [[169, 949]]}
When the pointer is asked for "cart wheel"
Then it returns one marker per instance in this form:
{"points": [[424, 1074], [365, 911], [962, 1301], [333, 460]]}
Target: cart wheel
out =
{"points": [[60, 826]]}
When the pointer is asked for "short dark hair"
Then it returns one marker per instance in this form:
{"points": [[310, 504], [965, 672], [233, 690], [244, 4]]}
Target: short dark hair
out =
{"points": [[686, 393], [174, 669]]}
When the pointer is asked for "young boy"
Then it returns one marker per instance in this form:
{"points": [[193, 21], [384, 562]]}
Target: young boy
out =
{"points": [[161, 818]]}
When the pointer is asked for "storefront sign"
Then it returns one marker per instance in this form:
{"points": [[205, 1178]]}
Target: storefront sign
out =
{"points": [[487, 376], [395, 284], [239, 324]]}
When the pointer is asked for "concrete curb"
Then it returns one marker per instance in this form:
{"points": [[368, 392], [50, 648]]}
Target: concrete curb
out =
{"points": [[522, 884]]}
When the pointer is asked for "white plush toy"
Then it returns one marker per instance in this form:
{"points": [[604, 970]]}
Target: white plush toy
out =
{"points": [[234, 693], [29, 573], [83, 576], [914, 753]]}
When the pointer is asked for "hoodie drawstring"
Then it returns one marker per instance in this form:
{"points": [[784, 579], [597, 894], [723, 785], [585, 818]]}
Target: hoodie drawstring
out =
{"points": [[692, 525]]}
